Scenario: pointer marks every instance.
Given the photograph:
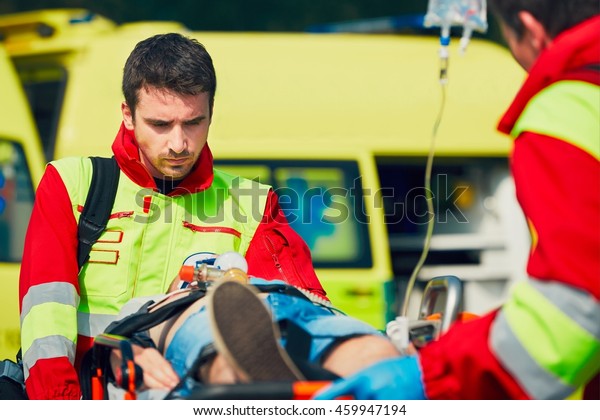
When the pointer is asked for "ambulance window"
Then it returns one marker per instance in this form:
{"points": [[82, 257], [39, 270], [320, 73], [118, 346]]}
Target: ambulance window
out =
{"points": [[323, 202], [16, 200], [44, 87]]}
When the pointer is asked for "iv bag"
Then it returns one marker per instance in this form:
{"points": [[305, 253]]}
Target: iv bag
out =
{"points": [[470, 14]]}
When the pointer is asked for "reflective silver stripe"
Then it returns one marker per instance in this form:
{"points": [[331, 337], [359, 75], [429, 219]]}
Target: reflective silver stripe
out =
{"points": [[91, 325], [48, 348], [536, 381], [540, 367], [578, 305], [56, 291]]}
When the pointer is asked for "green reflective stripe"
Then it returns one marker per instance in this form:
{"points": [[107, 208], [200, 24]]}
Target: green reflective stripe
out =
{"points": [[48, 348], [577, 304], [539, 384], [56, 291], [554, 341], [568, 110], [53, 319]]}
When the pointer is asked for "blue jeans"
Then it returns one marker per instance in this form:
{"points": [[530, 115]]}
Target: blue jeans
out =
{"points": [[323, 326]]}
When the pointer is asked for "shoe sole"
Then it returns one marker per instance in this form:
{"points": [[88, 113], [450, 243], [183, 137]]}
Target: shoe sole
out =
{"points": [[246, 335]]}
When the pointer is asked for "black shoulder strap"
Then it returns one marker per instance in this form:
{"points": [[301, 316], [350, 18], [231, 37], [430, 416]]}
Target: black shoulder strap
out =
{"points": [[98, 205], [143, 320]]}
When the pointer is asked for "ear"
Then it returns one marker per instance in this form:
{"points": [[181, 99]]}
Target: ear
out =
{"points": [[535, 32], [127, 117]]}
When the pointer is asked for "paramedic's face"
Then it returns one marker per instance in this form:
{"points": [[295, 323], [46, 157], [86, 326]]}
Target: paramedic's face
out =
{"points": [[171, 130]]}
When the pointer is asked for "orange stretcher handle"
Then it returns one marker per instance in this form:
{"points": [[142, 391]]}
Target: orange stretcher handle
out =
{"points": [[98, 386], [462, 316], [305, 390]]}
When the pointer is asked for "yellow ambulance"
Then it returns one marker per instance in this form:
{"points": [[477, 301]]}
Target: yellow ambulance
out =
{"points": [[21, 166]]}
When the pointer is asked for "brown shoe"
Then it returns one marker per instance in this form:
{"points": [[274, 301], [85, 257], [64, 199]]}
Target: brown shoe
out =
{"points": [[246, 335]]}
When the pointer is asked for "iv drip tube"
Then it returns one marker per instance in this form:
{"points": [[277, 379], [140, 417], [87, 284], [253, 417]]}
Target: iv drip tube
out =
{"points": [[444, 41]]}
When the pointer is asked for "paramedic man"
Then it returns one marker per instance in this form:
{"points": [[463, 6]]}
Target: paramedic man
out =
{"points": [[544, 342], [166, 168]]}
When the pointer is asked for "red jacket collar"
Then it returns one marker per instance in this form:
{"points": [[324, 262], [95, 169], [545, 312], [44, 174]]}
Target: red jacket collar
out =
{"points": [[126, 151], [570, 51]]}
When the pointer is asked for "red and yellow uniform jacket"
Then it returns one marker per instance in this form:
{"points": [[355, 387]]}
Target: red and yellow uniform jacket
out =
{"points": [[148, 237], [544, 342]]}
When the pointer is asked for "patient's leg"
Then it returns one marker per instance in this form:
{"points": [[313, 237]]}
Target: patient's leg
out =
{"points": [[345, 359], [360, 347], [357, 353]]}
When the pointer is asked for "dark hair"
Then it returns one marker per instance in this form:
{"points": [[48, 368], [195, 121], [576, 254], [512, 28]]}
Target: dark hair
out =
{"points": [[555, 15], [169, 61]]}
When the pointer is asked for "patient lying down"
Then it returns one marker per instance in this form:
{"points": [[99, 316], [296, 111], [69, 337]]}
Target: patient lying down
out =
{"points": [[237, 334]]}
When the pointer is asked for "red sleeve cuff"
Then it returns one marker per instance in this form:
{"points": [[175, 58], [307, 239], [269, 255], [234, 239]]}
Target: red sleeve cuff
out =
{"points": [[460, 365]]}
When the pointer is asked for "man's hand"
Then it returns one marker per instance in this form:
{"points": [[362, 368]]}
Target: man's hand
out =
{"points": [[158, 373], [391, 379]]}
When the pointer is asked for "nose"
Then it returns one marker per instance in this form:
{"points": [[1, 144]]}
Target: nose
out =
{"points": [[177, 140]]}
